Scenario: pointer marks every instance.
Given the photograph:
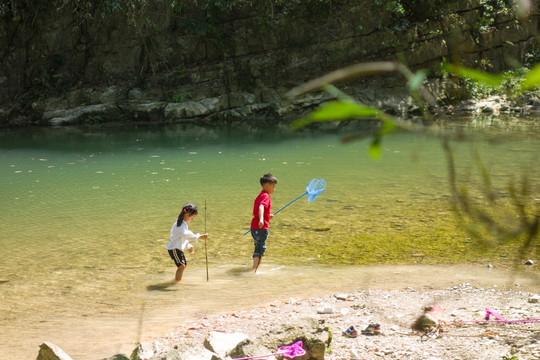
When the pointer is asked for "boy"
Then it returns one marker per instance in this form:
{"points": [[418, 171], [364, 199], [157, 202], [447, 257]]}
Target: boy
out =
{"points": [[261, 217]]}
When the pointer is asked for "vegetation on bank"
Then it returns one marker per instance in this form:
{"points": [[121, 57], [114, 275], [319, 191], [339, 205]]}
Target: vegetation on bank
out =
{"points": [[209, 19]]}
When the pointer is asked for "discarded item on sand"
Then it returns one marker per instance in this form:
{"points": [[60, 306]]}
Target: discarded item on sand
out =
{"points": [[433, 334], [289, 351], [430, 322], [432, 318]]}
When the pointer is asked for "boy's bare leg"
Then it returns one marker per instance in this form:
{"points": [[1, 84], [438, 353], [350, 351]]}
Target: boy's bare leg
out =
{"points": [[256, 262], [179, 273]]}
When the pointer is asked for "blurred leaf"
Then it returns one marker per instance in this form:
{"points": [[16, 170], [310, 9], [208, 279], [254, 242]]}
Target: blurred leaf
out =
{"points": [[375, 148], [416, 82], [387, 126], [337, 110], [532, 78], [493, 80]]}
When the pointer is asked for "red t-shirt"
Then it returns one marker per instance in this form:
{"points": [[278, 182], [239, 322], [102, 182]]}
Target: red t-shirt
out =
{"points": [[264, 200]]}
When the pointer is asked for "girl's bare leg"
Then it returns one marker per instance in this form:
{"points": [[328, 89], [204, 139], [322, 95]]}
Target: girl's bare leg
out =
{"points": [[179, 273]]}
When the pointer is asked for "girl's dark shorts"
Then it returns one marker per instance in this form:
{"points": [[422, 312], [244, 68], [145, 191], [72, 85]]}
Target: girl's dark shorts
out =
{"points": [[178, 256]]}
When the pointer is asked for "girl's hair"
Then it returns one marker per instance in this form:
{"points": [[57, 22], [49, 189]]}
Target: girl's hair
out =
{"points": [[189, 209]]}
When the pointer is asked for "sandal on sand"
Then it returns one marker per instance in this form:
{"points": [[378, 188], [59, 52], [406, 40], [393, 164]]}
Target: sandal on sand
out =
{"points": [[350, 332], [372, 329]]}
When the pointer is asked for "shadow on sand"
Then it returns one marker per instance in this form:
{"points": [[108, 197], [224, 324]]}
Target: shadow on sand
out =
{"points": [[239, 270], [166, 286]]}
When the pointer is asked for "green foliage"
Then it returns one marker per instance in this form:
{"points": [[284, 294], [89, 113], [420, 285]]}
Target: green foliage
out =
{"points": [[533, 57], [422, 10], [180, 72], [177, 98], [488, 11], [94, 120], [532, 78]]}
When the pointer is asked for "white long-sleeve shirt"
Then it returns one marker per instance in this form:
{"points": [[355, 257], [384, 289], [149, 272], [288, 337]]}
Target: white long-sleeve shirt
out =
{"points": [[181, 236]]}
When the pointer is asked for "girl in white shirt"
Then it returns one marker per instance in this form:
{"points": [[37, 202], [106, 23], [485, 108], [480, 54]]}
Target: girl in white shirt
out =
{"points": [[180, 238]]}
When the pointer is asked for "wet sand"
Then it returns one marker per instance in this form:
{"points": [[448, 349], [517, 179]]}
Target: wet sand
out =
{"points": [[99, 329]]}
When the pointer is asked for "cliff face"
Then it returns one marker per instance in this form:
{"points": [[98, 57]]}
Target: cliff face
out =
{"points": [[171, 64]]}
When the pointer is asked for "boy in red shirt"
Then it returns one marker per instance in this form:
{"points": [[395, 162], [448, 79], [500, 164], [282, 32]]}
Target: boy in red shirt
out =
{"points": [[261, 217]]}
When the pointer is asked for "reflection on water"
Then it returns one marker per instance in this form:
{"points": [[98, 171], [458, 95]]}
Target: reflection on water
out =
{"points": [[86, 216]]}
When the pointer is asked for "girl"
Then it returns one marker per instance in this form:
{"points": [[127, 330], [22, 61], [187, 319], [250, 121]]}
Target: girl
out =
{"points": [[180, 237]]}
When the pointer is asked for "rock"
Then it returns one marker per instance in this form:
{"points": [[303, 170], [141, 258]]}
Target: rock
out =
{"points": [[327, 309], [529, 262], [49, 351], [534, 299], [222, 343], [190, 351], [248, 348], [76, 115], [112, 95], [154, 351], [117, 357], [314, 334]]}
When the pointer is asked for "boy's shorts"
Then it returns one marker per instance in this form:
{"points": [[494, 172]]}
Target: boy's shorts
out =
{"points": [[259, 240], [178, 256]]}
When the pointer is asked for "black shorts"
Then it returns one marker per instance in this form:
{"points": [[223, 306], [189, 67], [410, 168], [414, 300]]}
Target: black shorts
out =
{"points": [[178, 256]]}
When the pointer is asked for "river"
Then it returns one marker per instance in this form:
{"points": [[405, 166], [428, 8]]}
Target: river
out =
{"points": [[86, 214]]}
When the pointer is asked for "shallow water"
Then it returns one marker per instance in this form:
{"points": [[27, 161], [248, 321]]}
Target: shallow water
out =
{"points": [[86, 216]]}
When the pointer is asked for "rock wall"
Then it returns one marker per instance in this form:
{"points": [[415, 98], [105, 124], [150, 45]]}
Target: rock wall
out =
{"points": [[165, 66]]}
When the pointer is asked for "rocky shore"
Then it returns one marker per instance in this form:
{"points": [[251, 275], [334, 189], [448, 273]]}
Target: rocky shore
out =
{"points": [[457, 331]]}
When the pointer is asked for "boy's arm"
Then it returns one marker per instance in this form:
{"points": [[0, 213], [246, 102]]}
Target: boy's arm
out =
{"points": [[261, 216]]}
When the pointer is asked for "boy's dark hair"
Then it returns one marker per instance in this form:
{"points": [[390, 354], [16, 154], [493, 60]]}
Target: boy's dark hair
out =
{"points": [[188, 209], [268, 178]]}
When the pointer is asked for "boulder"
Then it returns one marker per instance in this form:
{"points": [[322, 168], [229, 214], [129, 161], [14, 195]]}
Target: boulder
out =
{"points": [[154, 351], [117, 357], [50, 351], [222, 343], [248, 348], [315, 335], [189, 351]]}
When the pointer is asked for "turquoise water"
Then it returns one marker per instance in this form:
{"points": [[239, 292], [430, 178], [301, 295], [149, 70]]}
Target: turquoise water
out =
{"points": [[86, 213]]}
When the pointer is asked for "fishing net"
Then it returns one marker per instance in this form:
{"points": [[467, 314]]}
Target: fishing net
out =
{"points": [[315, 188], [293, 350]]}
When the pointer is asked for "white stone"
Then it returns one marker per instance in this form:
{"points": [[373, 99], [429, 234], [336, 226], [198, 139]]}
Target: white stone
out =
{"points": [[222, 343]]}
